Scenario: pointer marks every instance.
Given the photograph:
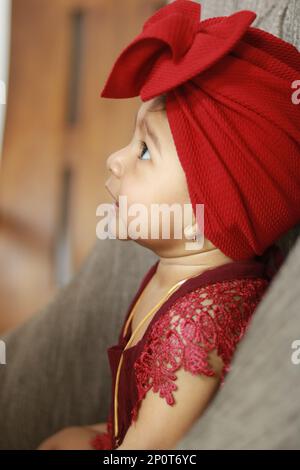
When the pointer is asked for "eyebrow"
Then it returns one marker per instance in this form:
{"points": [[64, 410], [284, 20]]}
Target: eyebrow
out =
{"points": [[150, 131]]}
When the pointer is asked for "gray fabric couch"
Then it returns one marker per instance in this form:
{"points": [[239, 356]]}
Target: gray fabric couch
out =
{"points": [[57, 372]]}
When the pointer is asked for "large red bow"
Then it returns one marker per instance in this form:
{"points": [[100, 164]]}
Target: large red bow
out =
{"points": [[173, 47]]}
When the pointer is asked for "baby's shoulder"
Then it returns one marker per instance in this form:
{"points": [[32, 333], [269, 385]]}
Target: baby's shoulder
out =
{"points": [[210, 305]]}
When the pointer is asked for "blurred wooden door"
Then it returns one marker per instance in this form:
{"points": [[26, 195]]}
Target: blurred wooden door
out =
{"points": [[58, 135]]}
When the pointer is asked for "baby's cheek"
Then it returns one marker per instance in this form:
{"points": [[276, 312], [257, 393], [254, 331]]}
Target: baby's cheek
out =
{"points": [[148, 208]]}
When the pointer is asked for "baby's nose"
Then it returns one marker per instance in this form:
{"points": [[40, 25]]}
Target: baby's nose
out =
{"points": [[114, 164], [108, 162]]}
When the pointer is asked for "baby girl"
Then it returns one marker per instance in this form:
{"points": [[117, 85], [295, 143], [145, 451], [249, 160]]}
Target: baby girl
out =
{"points": [[216, 127]]}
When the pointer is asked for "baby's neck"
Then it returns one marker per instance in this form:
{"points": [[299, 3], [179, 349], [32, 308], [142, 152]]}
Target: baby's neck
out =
{"points": [[172, 270]]}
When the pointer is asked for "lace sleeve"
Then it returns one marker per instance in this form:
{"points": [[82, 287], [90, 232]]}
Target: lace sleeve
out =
{"points": [[212, 317]]}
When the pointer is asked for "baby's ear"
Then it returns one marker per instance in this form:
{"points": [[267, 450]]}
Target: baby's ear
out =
{"points": [[190, 231]]}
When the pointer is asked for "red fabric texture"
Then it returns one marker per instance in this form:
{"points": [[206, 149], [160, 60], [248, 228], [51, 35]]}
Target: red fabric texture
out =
{"points": [[211, 311], [228, 90]]}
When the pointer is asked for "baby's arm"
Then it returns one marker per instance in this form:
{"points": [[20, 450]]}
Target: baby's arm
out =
{"points": [[100, 427], [73, 438], [160, 426]]}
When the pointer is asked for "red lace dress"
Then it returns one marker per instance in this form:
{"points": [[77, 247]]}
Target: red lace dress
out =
{"points": [[210, 311]]}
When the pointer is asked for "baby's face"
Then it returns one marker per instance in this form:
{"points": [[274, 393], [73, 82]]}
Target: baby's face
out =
{"points": [[148, 171]]}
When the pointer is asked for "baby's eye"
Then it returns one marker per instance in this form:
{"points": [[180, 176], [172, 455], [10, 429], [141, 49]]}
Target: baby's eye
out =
{"points": [[144, 147]]}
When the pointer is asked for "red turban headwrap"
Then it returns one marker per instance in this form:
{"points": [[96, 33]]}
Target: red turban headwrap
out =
{"points": [[229, 105]]}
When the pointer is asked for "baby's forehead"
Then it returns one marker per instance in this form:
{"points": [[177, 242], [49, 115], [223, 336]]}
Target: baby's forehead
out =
{"points": [[155, 104], [157, 101]]}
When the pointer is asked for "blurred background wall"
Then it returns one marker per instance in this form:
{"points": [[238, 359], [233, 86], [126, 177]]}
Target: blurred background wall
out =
{"points": [[58, 134]]}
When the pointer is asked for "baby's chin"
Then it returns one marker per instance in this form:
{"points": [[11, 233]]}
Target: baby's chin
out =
{"points": [[155, 243]]}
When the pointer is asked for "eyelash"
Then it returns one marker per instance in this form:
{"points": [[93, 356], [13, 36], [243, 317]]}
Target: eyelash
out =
{"points": [[143, 147]]}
